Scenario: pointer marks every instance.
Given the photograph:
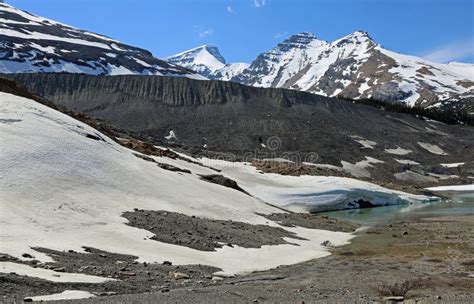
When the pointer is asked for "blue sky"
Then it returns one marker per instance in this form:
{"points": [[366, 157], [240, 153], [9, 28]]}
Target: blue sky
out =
{"points": [[442, 30]]}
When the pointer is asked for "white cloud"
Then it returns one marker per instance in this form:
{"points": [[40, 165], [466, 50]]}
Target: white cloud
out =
{"points": [[280, 35], [452, 51], [259, 3], [203, 32], [229, 9]]}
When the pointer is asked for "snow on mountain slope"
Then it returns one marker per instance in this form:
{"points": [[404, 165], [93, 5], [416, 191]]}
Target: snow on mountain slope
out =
{"points": [[78, 182], [355, 66], [30, 43], [207, 61]]}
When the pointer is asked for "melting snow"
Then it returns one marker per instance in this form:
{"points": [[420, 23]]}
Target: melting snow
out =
{"points": [[432, 148], [359, 169], [47, 274], [171, 135], [65, 295], [406, 162], [368, 144], [99, 180], [309, 193], [452, 165], [398, 151], [469, 188]]}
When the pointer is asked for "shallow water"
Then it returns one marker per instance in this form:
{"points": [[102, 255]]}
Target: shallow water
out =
{"points": [[457, 204]]}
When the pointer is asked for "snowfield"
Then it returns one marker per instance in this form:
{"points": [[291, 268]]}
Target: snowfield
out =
{"points": [[61, 189]]}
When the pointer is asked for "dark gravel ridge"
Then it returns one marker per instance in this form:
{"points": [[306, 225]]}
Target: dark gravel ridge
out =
{"points": [[205, 234], [211, 118]]}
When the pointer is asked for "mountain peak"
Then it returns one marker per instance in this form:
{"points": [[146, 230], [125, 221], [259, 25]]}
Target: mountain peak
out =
{"points": [[214, 51], [357, 37], [300, 40], [201, 53]]}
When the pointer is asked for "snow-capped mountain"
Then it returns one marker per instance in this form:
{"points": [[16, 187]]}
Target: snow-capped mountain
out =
{"points": [[208, 61], [29, 43], [355, 66]]}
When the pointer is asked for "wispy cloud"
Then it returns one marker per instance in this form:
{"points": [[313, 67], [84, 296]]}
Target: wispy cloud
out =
{"points": [[452, 51], [280, 35], [259, 3], [229, 9], [203, 32]]}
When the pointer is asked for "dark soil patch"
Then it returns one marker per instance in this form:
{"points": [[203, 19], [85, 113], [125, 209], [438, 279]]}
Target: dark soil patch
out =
{"points": [[205, 234]]}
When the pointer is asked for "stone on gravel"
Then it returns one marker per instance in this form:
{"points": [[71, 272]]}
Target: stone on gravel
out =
{"points": [[178, 275], [394, 298]]}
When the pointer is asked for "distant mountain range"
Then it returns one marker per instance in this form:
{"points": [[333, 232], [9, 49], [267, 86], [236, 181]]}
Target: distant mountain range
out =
{"points": [[208, 61], [29, 43], [354, 66]]}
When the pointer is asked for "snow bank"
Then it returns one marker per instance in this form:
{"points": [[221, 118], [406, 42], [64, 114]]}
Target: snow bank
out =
{"points": [[63, 190], [65, 295], [49, 275], [310, 193], [468, 188]]}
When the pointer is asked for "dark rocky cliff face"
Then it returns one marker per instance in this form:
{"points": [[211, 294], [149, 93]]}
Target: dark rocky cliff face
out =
{"points": [[229, 117]]}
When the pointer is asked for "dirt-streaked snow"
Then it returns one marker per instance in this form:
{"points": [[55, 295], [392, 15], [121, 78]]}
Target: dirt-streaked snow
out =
{"points": [[432, 148], [65, 295], [407, 162], [310, 193], [49, 275], [398, 151], [62, 190]]}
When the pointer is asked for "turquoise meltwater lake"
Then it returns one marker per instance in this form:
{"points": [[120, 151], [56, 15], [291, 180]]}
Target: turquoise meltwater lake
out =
{"points": [[455, 203]]}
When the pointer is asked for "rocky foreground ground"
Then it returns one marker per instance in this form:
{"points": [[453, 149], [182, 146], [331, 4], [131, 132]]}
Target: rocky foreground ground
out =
{"points": [[424, 261]]}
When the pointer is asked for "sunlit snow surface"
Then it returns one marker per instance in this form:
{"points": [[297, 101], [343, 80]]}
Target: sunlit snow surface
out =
{"points": [[62, 190], [50, 275], [65, 295], [468, 188]]}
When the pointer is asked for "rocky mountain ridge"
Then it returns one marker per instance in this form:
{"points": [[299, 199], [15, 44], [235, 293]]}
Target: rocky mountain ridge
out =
{"points": [[354, 66], [29, 43], [324, 135]]}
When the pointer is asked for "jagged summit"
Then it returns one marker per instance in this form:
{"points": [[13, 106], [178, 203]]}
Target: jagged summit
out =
{"points": [[207, 61], [211, 49], [299, 41], [355, 37]]}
